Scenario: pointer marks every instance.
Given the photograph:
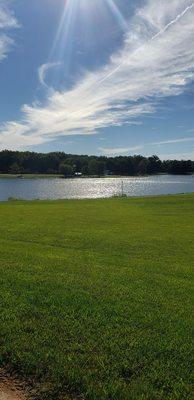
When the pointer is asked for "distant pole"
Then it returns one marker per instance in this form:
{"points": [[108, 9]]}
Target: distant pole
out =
{"points": [[122, 189]]}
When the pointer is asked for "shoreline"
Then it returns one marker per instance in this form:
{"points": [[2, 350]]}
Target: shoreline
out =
{"points": [[92, 199], [54, 176]]}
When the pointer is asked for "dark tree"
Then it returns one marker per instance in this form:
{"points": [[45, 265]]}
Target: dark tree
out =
{"points": [[15, 168], [66, 170], [154, 165], [16, 162], [96, 167]]}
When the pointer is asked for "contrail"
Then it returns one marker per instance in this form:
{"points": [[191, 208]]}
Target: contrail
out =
{"points": [[189, 8], [107, 76], [110, 74]]}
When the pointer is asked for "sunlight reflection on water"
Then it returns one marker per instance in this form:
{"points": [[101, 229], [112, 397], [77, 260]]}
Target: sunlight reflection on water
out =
{"points": [[30, 189]]}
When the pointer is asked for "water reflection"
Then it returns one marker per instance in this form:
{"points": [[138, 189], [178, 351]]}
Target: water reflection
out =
{"points": [[30, 189]]}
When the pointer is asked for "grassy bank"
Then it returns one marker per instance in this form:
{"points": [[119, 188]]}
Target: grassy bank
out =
{"points": [[96, 296]]}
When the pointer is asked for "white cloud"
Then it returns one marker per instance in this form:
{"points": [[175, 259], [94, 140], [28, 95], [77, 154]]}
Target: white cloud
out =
{"points": [[173, 141], [118, 150], [43, 69], [122, 150], [7, 22], [155, 61]]}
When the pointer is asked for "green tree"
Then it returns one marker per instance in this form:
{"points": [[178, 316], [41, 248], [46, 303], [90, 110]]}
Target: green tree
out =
{"points": [[142, 167], [66, 170], [96, 167], [15, 168], [154, 165]]}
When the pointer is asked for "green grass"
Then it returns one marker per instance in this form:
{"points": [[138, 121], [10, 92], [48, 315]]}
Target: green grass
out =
{"points": [[95, 297]]}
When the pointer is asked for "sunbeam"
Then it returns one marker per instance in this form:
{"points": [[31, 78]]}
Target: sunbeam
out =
{"points": [[103, 70], [63, 38], [65, 33], [118, 15]]}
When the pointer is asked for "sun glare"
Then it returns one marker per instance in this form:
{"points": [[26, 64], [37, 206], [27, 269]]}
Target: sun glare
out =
{"points": [[69, 16]]}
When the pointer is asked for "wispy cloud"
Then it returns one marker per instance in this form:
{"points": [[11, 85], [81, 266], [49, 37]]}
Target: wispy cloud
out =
{"points": [[155, 61], [7, 23], [43, 69], [177, 156], [122, 150], [174, 141], [190, 130], [118, 150]]}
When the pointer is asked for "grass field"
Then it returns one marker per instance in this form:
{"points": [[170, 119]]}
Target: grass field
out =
{"points": [[95, 297]]}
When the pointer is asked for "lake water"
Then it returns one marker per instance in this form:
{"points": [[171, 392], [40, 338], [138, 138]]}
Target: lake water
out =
{"points": [[56, 188]]}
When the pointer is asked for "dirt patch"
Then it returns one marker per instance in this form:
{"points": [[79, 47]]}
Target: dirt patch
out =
{"points": [[10, 389]]}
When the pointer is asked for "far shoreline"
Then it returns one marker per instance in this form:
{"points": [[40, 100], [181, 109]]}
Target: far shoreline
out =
{"points": [[58, 176]]}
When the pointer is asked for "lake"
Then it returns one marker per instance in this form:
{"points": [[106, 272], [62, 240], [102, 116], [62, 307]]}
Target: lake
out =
{"points": [[30, 189]]}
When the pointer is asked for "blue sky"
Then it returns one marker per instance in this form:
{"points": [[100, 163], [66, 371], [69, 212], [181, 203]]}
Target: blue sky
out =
{"points": [[102, 77]]}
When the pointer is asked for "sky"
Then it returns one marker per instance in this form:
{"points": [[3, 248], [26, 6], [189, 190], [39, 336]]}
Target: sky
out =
{"points": [[104, 77]]}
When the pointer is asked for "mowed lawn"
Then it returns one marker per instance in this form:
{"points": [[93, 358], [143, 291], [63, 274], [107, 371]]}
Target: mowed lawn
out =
{"points": [[96, 297]]}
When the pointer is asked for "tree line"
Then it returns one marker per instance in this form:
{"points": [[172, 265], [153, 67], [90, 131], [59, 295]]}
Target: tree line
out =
{"points": [[15, 162]]}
